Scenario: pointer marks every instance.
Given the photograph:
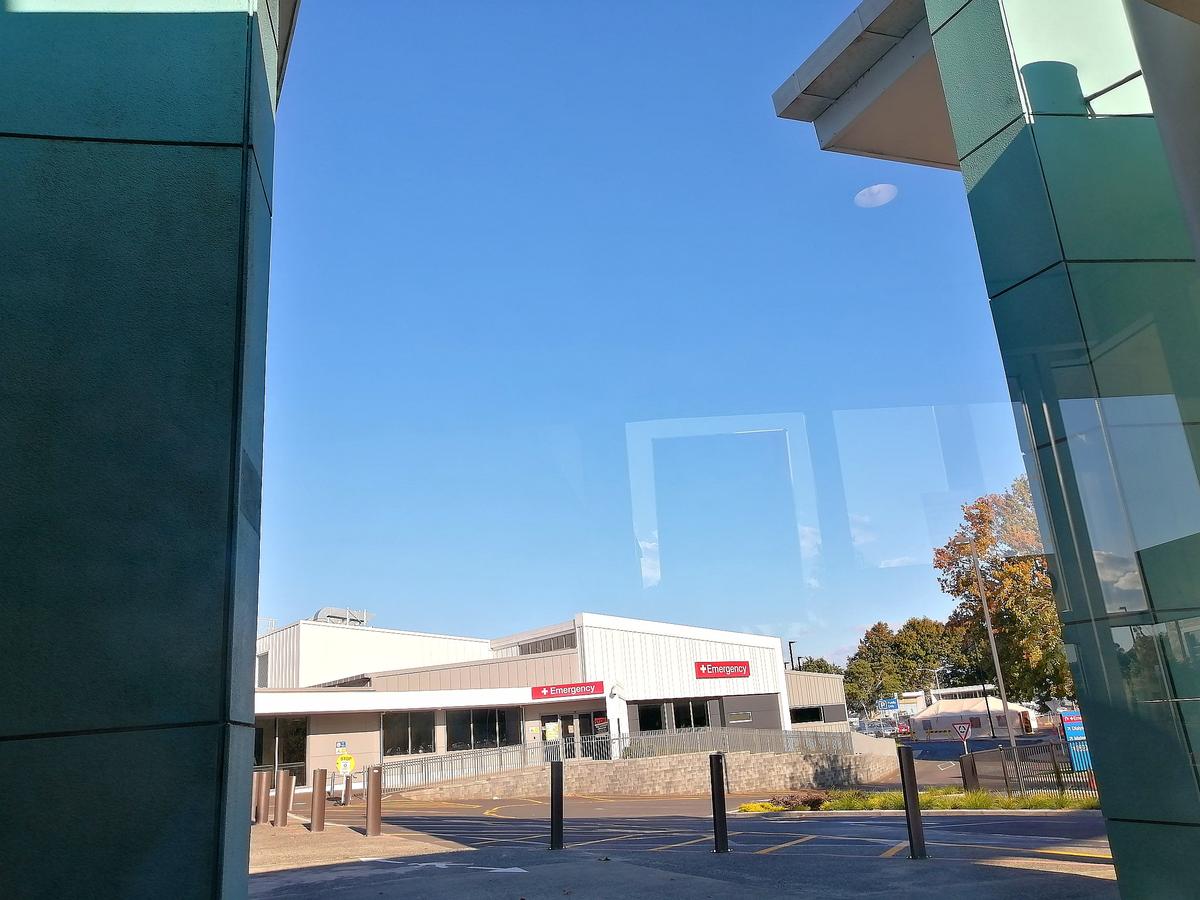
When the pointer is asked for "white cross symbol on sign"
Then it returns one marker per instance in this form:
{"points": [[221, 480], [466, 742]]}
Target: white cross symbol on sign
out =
{"points": [[545, 691]]}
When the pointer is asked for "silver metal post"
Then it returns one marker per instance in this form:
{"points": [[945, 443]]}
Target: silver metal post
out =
{"points": [[987, 620]]}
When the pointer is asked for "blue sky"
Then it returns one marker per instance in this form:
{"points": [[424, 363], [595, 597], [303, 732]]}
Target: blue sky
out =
{"points": [[563, 318]]}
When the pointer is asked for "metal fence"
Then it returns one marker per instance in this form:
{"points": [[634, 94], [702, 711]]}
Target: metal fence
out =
{"points": [[424, 770], [1036, 768]]}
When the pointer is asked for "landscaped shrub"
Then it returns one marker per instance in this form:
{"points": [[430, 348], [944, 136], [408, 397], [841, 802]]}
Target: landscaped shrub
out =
{"points": [[806, 799], [935, 798]]}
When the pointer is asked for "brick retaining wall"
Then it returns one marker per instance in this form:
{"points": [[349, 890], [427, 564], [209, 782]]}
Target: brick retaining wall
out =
{"points": [[685, 773]]}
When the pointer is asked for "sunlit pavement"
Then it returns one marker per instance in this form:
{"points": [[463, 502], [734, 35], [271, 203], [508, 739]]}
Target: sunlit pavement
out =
{"points": [[647, 847]]}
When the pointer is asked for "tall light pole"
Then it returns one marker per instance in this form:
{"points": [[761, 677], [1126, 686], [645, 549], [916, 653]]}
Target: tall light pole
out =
{"points": [[987, 622]]}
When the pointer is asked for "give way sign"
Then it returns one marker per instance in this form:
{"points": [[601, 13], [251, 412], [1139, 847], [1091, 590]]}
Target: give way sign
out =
{"points": [[963, 729]]}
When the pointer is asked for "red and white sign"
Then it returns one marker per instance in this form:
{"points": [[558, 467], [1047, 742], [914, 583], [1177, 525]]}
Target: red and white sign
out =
{"points": [[568, 691], [963, 729], [726, 669]]}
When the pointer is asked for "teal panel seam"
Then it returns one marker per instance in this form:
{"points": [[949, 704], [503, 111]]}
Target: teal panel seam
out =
{"points": [[261, 182], [120, 729], [951, 19], [142, 142], [1027, 279]]}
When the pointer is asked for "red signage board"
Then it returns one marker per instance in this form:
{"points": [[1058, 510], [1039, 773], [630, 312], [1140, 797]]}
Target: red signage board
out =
{"points": [[726, 669], [568, 691]]}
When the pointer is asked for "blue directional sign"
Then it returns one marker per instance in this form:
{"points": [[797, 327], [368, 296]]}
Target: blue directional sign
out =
{"points": [[887, 704], [1076, 737], [1072, 723]]}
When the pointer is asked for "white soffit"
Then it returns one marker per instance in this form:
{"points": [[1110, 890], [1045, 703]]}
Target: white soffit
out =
{"points": [[873, 89]]}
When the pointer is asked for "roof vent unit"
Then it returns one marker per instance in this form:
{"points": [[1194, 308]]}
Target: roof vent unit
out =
{"points": [[341, 615]]}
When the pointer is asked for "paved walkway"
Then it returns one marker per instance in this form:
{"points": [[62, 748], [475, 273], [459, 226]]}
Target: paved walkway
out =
{"points": [[662, 848]]}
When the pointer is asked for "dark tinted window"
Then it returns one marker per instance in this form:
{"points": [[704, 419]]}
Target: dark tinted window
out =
{"points": [[650, 717], [802, 714]]}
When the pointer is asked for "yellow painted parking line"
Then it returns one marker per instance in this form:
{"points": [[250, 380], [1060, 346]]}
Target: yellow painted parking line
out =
{"points": [[494, 812], [892, 851], [1046, 850], [792, 843], [699, 840]]}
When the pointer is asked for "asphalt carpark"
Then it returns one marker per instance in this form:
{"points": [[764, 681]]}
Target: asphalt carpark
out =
{"points": [[662, 847]]}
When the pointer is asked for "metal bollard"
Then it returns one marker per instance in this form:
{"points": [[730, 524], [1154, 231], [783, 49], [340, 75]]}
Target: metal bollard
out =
{"points": [[283, 798], [912, 804], [317, 819], [256, 811], [348, 789], [716, 772], [556, 805], [970, 772], [264, 799], [374, 800]]}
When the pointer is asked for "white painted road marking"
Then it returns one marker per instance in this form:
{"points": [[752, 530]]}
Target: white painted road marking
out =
{"points": [[440, 866]]}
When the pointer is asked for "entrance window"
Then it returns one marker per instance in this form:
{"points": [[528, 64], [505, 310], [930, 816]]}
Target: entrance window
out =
{"points": [[405, 733], [480, 729], [691, 713], [650, 717]]}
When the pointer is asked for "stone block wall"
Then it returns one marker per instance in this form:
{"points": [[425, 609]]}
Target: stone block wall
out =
{"points": [[673, 775]]}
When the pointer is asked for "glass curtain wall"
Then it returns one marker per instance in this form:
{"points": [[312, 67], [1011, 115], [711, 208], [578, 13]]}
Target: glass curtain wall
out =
{"points": [[1095, 294]]}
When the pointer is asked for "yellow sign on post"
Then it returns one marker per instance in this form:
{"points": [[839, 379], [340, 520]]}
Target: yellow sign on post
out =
{"points": [[345, 763]]}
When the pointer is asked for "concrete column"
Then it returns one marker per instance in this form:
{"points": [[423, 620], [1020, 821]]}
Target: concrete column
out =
{"points": [[439, 731], [1093, 287], [135, 221]]}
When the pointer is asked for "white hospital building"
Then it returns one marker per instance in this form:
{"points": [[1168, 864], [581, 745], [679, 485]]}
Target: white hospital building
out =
{"points": [[330, 685]]}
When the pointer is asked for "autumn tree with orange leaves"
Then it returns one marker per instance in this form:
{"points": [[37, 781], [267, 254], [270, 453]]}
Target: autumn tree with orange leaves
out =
{"points": [[1020, 596]]}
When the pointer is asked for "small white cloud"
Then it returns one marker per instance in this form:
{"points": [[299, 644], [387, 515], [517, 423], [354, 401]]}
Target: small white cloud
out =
{"points": [[651, 567], [876, 195], [898, 561]]}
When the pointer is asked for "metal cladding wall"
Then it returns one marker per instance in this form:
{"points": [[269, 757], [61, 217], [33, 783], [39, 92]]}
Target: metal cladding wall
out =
{"points": [[310, 653], [754, 711], [653, 661], [283, 656], [520, 671], [815, 689]]}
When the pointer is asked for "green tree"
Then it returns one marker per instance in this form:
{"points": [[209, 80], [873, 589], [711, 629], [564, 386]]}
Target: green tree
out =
{"points": [[1020, 597], [818, 664], [872, 671], [920, 651]]}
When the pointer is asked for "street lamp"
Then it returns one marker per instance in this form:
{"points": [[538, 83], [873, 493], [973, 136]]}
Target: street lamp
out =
{"points": [[987, 621]]}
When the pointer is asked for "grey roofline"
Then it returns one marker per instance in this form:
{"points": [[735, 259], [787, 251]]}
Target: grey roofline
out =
{"points": [[289, 12], [856, 45]]}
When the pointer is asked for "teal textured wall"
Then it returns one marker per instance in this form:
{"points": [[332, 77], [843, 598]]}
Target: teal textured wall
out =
{"points": [[1094, 291], [136, 147]]}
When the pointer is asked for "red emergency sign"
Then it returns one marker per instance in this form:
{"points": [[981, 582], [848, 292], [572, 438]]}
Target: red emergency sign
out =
{"points": [[726, 669], [568, 691]]}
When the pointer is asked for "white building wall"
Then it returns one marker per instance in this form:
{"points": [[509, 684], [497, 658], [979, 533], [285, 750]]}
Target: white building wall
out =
{"points": [[329, 652], [653, 660]]}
